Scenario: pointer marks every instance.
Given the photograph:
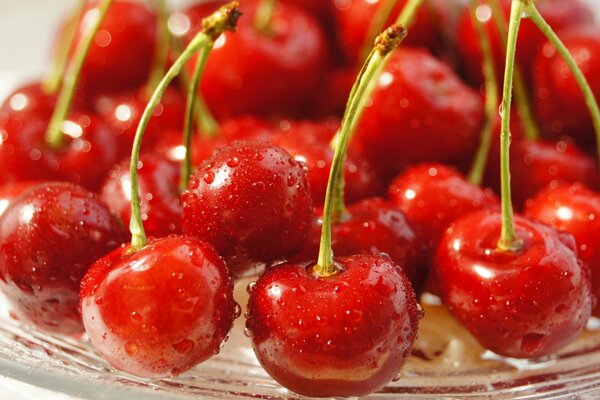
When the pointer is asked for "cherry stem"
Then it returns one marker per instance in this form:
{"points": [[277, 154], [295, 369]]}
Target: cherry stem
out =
{"points": [[530, 127], [491, 99], [384, 44], [590, 100], [509, 241], [264, 15], [225, 18], [54, 135], [59, 63], [192, 95], [161, 51]]}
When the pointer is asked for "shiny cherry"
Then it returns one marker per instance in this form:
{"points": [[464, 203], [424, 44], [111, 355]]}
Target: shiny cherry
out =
{"points": [[10, 191], [160, 310], [343, 335], [49, 237], [575, 209], [30, 98], [251, 201], [524, 304]]}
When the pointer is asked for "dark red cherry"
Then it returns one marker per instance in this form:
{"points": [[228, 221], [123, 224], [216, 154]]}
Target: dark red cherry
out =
{"points": [[277, 73], [251, 201], [158, 182], [559, 104], [10, 191], [160, 310], [122, 51], [344, 335], [525, 304], [49, 237], [434, 195], [420, 111], [575, 209]]}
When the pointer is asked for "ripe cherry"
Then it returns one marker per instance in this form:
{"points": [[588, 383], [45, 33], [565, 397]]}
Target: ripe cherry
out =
{"points": [[28, 99], [49, 237]]}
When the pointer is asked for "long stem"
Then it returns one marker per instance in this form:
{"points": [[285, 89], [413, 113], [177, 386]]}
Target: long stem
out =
{"points": [[491, 99], [161, 51], [52, 81], [223, 19], [54, 135], [509, 241], [588, 94], [263, 16], [385, 43], [192, 95], [532, 131]]}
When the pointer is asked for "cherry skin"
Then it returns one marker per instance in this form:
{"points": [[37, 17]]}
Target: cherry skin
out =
{"points": [[420, 111], [160, 310], [251, 201], [524, 304], [559, 104], [10, 191], [49, 237], [27, 99], [158, 182], [345, 335], [573, 208], [434, 195]]}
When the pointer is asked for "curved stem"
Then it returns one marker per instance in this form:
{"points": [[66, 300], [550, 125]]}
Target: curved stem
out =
{"points": [[523, 101], [491, 99], [385, 43], [52, 81], [509, 241], [588, 94], [161, 51], [186, 166], [223, 19], [54, 135], [263, 16]]}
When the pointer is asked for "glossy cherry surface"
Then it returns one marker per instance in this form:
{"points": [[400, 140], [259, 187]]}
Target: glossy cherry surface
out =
{"points": [[160, 310], [345, 335], [575, 209], [524, 304], [420, 111], [158, 182], [251, 201], [10, 191], [49, 237], [29, 98]]}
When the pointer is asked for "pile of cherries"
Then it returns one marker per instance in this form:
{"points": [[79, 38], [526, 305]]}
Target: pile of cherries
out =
{"points": [[347, 191]]}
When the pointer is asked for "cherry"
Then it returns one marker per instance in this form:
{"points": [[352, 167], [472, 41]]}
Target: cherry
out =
{"points": [[10, 191], [28, 99], [572, 208], [251, 201], [419, 111], [343, 335], [121, 54], [434, 195], [158, 179], [524, 304], [49, 237], [160, 310], [560, 105]]}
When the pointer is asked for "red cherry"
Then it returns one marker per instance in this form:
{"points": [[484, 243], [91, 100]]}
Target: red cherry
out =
{"points": [[28, 99], [322, 10], [524, 304], [251, 201], [559, 102], [575, 209], [434, 195], [158, 180], [122, 52], [160, 310], [10, 191], [49, 237], [250, 72], [344, 335], [420, 111]]}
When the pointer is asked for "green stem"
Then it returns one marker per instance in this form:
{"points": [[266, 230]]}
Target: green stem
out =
{"points": [[54, 134], [161, 52], [263, 16], [385, 43], [192, 95], [532, 131], [509, 241], [588, 94], [59, 63], [491, 99], [223, 19], [381, 17]]}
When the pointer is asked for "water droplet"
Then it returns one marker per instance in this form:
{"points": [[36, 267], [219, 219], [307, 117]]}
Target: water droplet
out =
{"points": [[247, 332], [532, 342], [209, 178], [237, 311], [136, 316], [131, 348], [183, 347], [250, 288], [233, 162]]}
